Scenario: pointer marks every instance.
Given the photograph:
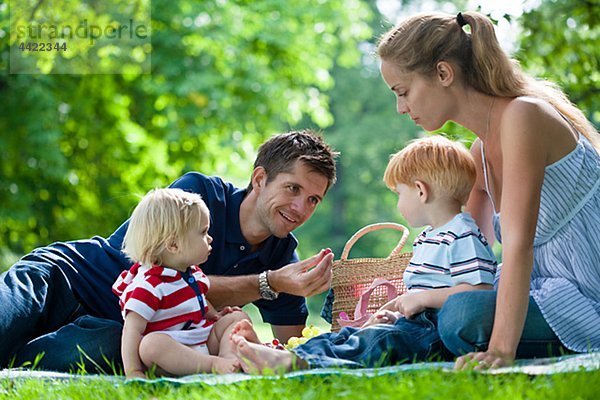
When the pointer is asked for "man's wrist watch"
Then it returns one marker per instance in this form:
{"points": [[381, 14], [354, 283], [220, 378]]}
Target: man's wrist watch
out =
{"points": [[266, 292]]}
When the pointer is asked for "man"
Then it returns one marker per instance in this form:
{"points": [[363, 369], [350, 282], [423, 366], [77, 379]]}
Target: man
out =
{"points": [[57, 300]]}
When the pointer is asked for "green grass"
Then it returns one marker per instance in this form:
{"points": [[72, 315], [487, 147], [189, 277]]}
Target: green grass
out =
{"points": [[413, 385], [407, 385]]}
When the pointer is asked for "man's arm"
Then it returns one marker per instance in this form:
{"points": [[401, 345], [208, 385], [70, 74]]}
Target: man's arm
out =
{"points": [[304, 278], [232, 290]]}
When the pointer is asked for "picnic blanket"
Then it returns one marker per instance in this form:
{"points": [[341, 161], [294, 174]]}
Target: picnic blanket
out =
{"points": [[539, 366]]}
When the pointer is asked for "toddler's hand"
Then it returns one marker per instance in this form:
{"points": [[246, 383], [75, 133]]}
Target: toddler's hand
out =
{"points": [[215, 316], [228, 310], [135, 374]]}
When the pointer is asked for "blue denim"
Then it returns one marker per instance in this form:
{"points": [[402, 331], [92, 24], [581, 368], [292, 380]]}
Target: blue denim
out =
{"points": [[41, 314], [466, 319], [407, 340]]}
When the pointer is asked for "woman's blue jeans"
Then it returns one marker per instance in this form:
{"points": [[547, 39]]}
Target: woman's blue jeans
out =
{"points": [[407, 340], [40, 314], [466, 319]]}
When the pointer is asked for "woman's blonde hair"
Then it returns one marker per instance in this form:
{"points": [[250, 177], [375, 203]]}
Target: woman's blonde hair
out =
{"points": [[421, 41], [445, 165], [162, 217]]}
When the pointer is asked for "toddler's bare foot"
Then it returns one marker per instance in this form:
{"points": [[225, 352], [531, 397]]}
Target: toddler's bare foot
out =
{"points": [[245, 329], [222, 365], [256, 358]]}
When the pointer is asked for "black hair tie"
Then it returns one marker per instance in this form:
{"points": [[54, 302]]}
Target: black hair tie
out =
{"points": [[461, 20]]}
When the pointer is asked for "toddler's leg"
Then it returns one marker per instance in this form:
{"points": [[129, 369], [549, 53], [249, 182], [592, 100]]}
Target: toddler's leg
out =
{"points": [[256, 358], [219, 342], [178, 359]]}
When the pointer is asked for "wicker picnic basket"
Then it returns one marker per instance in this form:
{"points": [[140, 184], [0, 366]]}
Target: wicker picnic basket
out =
{"points": [[352, 277]]}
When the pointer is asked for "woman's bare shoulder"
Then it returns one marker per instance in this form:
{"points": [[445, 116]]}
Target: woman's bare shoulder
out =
{"points": [[529, 115], [526, 109]]}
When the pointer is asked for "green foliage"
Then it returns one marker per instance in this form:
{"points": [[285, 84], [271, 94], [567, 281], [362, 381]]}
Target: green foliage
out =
{"points": [[366, 132], [79, 149], [560, 43]]}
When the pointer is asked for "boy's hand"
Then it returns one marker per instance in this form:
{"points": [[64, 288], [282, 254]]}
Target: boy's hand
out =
{"points": [[382, 317], [409, 304]]}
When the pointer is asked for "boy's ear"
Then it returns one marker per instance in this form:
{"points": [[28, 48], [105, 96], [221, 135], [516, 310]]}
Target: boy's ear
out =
{"points": [[423, 189], [259, 178]]}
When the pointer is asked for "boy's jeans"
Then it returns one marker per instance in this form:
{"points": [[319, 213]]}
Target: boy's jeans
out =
{"points": [[40, 313], [406, 340], [466, 320]]}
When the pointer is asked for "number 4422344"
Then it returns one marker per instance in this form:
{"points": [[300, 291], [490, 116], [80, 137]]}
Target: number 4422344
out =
{"points": [[34, 46]]}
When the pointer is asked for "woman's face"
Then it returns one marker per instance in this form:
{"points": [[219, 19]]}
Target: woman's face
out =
{"points": [[419, 97]]}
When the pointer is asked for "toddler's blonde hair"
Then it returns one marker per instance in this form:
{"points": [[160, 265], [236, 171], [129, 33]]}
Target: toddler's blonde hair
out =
{"points": [[162, 217], [446, 166]]}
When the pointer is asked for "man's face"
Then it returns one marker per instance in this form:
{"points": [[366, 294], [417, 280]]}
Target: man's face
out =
{"points": [[290, 199]]}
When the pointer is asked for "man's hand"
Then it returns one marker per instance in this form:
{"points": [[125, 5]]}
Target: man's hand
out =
{"points": [[304, 278]]}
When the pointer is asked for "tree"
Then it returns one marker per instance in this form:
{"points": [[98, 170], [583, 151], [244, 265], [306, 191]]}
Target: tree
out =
{"points": [[78, 149], [560, 43]]}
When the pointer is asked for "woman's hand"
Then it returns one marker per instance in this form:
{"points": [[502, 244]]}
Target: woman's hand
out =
{"points": [[483, 360]]}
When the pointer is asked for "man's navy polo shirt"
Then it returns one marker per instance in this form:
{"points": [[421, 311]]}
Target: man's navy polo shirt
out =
{"points": [[92, 266]]}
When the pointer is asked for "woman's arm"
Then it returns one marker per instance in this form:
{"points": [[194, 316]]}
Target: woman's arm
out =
{"points": [[479, 204], [133, 330], [524, 149]]}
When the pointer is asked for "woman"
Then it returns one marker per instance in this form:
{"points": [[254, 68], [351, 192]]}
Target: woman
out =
{"points": [[537, 188]]}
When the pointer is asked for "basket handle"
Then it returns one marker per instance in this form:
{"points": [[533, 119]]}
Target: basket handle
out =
{"points": [[374, 227]]}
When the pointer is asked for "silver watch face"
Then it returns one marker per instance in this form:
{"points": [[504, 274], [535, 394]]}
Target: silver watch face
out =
{"points": [[265, 290], [268, 295]]}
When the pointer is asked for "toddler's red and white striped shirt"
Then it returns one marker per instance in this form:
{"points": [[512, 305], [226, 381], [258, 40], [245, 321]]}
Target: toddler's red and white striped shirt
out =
{"points": [[169, 303]]}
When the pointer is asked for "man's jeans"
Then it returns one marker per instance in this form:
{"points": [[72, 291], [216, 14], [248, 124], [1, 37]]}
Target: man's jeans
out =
{"points": [[466, 319], [40, 314], [407, 340]]}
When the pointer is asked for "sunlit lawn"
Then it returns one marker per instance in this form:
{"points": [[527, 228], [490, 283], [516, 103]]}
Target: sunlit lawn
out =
{"points": [[431, 384], [407, 385]]}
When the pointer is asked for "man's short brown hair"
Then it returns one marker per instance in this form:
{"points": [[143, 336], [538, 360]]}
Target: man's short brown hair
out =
{"points": [[280, 153]]}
